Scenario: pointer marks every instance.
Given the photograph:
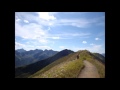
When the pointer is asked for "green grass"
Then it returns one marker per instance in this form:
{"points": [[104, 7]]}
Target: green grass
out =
{"points": [[69, 66], [66, 67], [100, 67]]}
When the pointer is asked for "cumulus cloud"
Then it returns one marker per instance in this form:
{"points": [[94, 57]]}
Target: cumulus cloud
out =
{"points": [[31, 31], [49, 19], [46, 16], [17, 20], [97, 39], [35, 30], [84, 42], [55, 37], [26, 21]]}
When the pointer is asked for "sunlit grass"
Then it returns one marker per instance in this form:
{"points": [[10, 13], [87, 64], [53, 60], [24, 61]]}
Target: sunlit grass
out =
{"points": [[100, 67], [66, 68], [69, 66]]}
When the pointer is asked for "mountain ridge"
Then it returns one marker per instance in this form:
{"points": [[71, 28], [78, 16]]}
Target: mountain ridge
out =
{"points": [[27, 57], [40, 64], [70, 66]]}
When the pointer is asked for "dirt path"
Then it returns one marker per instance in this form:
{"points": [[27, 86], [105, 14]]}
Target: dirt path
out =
{"points": [[89, 71]]}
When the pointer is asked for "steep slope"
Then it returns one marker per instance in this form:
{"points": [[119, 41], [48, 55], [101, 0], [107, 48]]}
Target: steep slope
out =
{"points": [[32, 68], [65, 67], [32, 56], [96, 61], [70, 66], [100, 57], [103, 54]]}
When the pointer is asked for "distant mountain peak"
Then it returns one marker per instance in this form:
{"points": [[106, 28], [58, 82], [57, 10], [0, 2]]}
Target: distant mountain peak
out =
{"points": [[21, 50], [103, 54]]}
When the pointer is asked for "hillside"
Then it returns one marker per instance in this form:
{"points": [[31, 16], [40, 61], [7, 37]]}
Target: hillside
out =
{"points": [[70, 67], [103, 54], [100, 57], [25, 71], [23, 57]]}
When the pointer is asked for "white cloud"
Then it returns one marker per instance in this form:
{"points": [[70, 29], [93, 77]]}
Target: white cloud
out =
{"points": [[28, 46], [62, 47], [80, 22], [70, 35], [19, 45], [84, 42], [28, 42], [78, 34], [93, 48], [18, 20], [35, 31], [26, 21], [55, 37], [42, 40], [31, 31], [97, 39], [46, 16], [49, 19]]}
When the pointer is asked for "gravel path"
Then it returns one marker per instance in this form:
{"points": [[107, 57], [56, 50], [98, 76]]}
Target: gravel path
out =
{"points": [[89, 71]]}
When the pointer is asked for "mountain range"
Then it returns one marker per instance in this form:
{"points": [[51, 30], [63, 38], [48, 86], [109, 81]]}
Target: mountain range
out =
{"points": [[21, 50], [100, 57], [72, 65], [60, 58], [23, 57], [32, 68]]}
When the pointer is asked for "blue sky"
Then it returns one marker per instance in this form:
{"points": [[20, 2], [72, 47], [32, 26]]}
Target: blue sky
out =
{"points": [[60, 30]]}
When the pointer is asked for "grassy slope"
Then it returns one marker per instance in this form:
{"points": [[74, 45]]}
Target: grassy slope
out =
{"points": [[90, 57], [69, 66], [66, 67], [26, 71]]}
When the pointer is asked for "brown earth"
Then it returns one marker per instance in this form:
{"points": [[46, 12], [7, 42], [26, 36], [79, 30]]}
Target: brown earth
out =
{"points": [[89, 71]]}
